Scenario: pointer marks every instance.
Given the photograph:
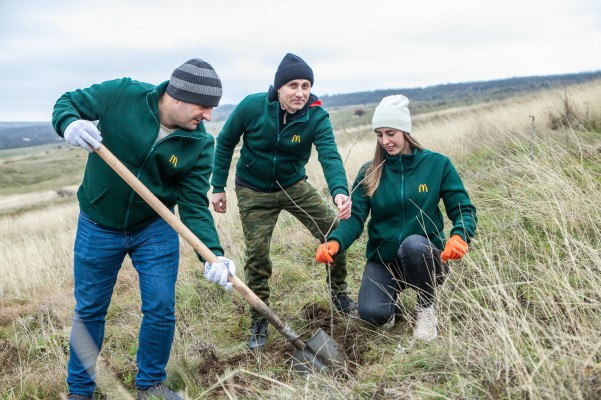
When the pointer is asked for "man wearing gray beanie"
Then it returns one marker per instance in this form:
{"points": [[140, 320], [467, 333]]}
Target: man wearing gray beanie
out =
{"points": [[158, 133], [280, 127]]}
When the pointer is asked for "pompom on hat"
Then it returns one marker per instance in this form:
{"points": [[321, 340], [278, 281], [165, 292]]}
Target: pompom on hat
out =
{"points": [[392, 112], [195, 82], [292, 67]]}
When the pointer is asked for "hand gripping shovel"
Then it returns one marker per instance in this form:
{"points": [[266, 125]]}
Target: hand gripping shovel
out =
{"points": [[319, 354]]}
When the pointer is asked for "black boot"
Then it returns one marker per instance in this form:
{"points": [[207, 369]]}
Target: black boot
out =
{"points": [[343, 303], [258, 334]]}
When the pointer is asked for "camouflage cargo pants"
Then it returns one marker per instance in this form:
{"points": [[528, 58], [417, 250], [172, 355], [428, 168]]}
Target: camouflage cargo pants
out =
{"points": [[259, 213]]}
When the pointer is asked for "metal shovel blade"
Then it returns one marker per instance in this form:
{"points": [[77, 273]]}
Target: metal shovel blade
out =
{"points": [[322, 354]]}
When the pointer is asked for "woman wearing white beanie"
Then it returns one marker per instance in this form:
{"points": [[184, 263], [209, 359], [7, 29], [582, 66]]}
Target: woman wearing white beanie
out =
{"points": [[401, 188]]}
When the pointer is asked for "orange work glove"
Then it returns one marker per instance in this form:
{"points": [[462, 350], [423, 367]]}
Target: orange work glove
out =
{"points": [[324, 255], [454, 249]]}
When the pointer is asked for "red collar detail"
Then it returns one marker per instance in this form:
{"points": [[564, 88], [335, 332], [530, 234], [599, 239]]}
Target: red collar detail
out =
{"points": [[315, 103]]}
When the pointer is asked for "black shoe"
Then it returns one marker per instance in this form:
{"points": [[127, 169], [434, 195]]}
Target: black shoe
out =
{"points": [[343, 303], [159, 391], [73, 396], [258, 334]]}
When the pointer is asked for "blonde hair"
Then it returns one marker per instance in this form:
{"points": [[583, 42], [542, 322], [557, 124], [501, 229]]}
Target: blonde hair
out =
{"points": [[374, 171]]}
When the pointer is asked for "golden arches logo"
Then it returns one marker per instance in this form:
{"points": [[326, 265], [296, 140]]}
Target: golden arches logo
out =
{"points": [[173, 160], [296, 138], [423, 188]]}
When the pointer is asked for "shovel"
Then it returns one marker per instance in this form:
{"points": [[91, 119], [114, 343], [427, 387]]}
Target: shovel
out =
{"points": [[321, 353]]}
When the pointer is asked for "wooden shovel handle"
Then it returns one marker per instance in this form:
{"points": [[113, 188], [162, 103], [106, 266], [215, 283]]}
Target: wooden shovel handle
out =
{"points": [[195, 242]]}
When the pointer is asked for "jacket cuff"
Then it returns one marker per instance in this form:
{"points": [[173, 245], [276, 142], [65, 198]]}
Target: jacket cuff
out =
{"points": [[65, 124], [337, 192]]}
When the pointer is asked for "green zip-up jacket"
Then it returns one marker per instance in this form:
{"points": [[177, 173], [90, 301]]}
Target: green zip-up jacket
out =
{"points": [[176, 168], [269, 156], [407, 203]]}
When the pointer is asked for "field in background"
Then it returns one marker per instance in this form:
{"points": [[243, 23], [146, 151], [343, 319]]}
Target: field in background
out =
{"points": [[519, 316]]}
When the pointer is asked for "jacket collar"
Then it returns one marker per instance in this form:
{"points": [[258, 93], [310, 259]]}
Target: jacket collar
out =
{"points": [[272, 97], [402, 162], [152, 99]]}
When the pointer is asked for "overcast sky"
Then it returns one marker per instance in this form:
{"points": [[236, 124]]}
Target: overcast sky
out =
{"points": [[50, 47]]}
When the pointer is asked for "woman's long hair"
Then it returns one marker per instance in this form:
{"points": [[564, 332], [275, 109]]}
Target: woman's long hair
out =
{"points": [[374, 172]]}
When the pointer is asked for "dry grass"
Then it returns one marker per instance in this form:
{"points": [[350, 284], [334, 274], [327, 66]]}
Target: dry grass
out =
{"points": [[519, 317], [36, 250]]}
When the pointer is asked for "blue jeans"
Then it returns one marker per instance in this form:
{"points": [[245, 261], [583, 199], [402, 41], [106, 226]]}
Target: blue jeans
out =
{"points": [[99, 253], [418, 265]]}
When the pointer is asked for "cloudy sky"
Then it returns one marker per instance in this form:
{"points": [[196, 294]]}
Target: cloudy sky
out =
{"points": [[50, 47]]}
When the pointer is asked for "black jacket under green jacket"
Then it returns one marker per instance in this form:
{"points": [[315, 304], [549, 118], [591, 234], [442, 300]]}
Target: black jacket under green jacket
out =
{"points": [[407, 203], [269, 155], [176, 168]]}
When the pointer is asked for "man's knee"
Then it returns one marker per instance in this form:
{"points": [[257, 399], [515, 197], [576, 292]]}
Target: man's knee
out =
{"points": [[91, 310], [161, 306]]}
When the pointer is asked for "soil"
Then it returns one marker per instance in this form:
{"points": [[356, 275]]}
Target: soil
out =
{"points": [[279, 351]]}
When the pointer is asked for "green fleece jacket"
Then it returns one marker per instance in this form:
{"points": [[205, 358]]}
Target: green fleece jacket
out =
{"points": [[176, 168], [407, 203], [269, 155]]}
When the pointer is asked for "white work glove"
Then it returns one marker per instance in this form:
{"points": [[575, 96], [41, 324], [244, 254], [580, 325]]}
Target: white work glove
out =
{"points": [[218, 272], [82, 133]]}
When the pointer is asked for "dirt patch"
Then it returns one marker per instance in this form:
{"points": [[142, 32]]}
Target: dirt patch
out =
{"points": [[9, 357], [226, 375], [318, 316], [209, 363], [229, 374], [347, 335]]}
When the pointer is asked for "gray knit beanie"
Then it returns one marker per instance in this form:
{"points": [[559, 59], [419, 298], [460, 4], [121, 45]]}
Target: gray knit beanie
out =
{"points": [[292, 67], [392, 112], [195, 82]]}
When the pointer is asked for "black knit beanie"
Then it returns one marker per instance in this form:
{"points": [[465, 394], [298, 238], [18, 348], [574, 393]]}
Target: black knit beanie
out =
{"points": [[292, 67], [195, 82]]}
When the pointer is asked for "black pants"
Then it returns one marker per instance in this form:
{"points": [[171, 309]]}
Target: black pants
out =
{"points": [[418, 266]]}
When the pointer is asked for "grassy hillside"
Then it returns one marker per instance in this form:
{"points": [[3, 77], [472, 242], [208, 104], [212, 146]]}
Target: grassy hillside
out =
{"points": [[437, 97], [423, 99], [519, 316]]}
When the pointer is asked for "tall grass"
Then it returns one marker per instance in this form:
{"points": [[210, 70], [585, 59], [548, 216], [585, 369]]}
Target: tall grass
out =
{"points": [[522, 311], [36, 250], [519, 316]]}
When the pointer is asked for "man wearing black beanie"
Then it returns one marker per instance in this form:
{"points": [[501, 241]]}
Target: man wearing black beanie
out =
{"points": [[280, 127], [292, 67]]}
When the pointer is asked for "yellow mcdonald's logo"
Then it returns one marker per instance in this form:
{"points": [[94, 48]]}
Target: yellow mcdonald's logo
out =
{"points": [[173, 160], [296, 138], [422, 188]]}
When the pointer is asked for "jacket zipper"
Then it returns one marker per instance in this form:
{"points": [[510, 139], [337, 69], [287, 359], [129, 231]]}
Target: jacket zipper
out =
{"points": [[275, 150], [402, 199]]}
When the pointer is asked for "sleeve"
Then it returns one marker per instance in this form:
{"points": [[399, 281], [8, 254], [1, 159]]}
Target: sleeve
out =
{"points": [[329, 157], [350, 229], [88, 104], [458, 205], [193, 203], [227, 140]]}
